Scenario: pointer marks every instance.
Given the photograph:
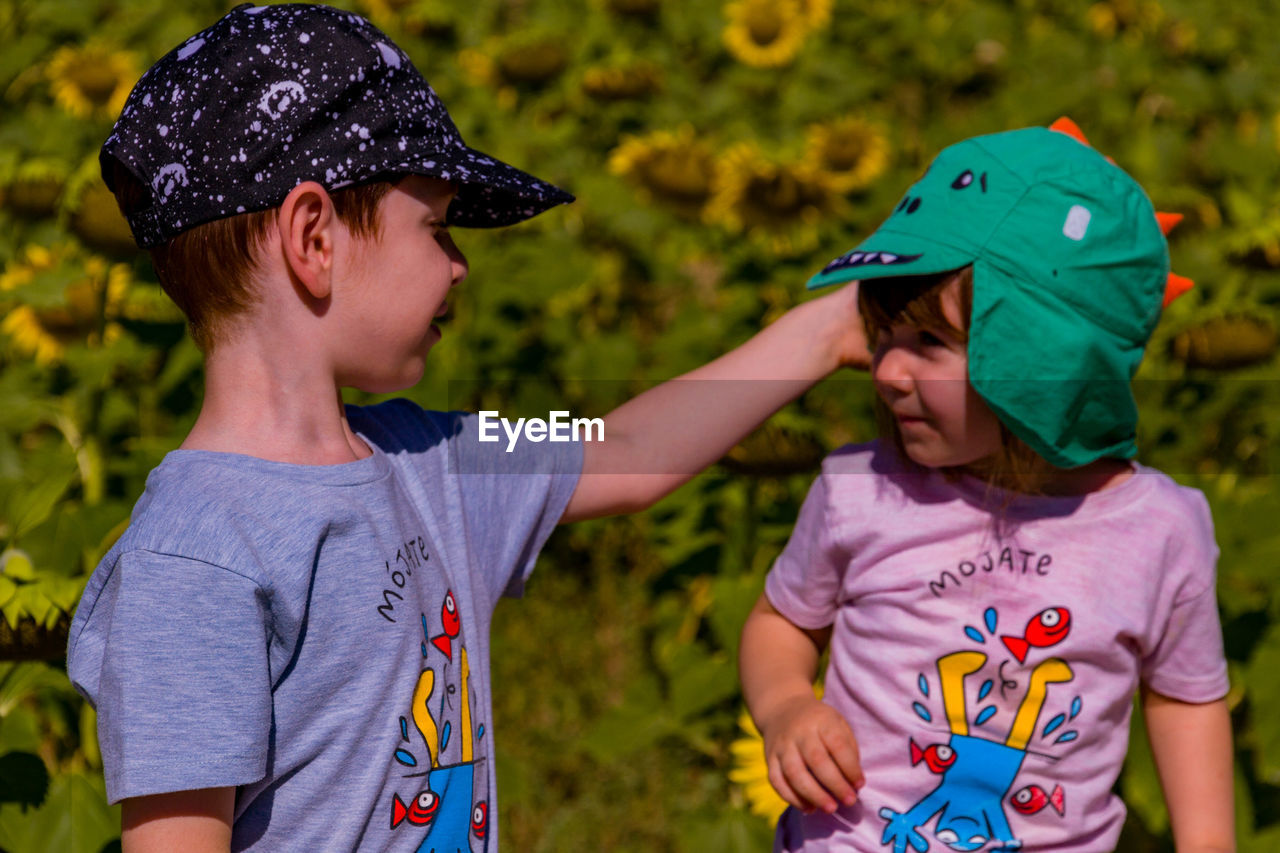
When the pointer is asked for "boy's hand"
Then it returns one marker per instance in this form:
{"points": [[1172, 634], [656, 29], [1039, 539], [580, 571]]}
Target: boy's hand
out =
{"points": [[812, 755], [850, 344]]}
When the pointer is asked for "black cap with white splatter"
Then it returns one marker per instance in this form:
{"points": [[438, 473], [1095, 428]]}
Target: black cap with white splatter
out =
{"points": [[271, 96]]}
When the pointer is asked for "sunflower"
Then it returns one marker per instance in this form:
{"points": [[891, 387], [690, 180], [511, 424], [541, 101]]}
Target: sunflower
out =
{"points": [[93, 80], [777, 203], [674, 167], [532, 60], [419, 17], [751, 771], [850, 151], [35, 188], [816, 13], [85, 313], [621, 82], [765, 33], [98, 222]]}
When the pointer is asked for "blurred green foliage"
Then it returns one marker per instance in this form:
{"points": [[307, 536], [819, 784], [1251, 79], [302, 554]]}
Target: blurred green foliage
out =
{"points": [[721, 153]]}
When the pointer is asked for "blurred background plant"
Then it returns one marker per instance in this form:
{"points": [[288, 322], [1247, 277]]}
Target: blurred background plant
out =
{"points": [[721, 152]]}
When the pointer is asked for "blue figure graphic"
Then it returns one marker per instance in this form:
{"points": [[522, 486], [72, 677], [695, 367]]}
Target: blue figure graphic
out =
{"points": [[969, 799]]}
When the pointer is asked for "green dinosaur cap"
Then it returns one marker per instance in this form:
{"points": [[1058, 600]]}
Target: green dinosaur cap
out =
{"points": [[1069, 270]]}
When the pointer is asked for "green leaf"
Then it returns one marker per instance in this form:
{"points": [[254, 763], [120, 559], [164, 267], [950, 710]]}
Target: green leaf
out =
{"points": [[32, 507], [75, 818], [1263, 692]]}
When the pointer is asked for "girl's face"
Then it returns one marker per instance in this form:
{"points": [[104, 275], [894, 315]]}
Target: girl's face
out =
{"points": [[922, 374]]}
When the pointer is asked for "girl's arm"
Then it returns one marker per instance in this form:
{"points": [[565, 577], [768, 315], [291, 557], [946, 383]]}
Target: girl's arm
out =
{"points": [[193, 821], [1192, 747], [810, 749]]}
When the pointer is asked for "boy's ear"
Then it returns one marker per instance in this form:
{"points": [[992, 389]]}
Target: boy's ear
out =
{"points": [[307, 221]]}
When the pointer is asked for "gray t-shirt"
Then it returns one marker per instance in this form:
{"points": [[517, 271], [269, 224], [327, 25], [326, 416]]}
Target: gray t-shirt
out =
{"points": [[319, 635]]}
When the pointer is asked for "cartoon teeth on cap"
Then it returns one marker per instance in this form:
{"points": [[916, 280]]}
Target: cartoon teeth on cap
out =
{"points": [[866, 259]]}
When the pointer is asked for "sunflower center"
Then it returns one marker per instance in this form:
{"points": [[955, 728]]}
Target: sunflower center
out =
{"points": [[843, 153], [764, 24], [679, 173], [779, 198], [95, 80]]}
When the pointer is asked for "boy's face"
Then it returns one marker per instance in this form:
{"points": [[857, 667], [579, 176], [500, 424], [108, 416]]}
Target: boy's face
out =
{"points": [[395, 286], [922, 374]]}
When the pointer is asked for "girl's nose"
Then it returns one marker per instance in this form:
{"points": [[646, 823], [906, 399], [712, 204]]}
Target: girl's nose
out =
{"points": [[891, 371]]}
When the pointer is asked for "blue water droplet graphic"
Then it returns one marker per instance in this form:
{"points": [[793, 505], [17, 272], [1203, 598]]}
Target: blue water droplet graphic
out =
{"points": [[480, 732], [1066, 736], [444, 735], [425, 632], [985, 689], [990, 616], [987, 713], [1053, 724], [406, 758], [922, 712], [974, 634], [1076, 705], [924, 685], [424, 650], [404, 728]]}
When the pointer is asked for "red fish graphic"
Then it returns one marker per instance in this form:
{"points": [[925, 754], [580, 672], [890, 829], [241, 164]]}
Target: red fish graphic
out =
{"points": [[938, 757], [1047, 628], [1032, 799], [449, 619], [480, 818], [420, 812]]}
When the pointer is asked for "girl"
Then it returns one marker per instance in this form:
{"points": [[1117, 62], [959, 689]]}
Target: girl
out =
{"points": [[996, 578]]}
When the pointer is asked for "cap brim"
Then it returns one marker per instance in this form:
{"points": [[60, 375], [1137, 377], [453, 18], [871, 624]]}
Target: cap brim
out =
{"points": [[490, 193], [891, 253]]}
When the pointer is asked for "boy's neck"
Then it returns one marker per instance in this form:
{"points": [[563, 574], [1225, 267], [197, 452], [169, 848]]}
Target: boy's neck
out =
{"points": [[272, 408]]}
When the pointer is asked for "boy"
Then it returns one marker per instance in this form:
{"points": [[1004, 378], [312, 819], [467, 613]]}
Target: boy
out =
{"points": [[288, 647]]}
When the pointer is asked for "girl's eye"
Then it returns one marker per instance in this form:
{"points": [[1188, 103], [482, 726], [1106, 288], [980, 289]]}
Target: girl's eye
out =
{"points": [[929, 339]]}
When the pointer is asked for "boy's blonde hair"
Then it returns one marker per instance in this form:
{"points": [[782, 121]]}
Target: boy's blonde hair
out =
{"points": [[916, 301], [207, 270]]}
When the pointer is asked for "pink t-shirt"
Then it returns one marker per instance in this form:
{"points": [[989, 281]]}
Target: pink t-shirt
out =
{"points": [[988, 669]]}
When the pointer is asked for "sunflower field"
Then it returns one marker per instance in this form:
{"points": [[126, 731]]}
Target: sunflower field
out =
{"points": [[721, 152]]}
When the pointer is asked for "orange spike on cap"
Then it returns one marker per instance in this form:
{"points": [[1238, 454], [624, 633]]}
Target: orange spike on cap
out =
{"points": [[1175, 286], [1168, 221], [1070, 128]]}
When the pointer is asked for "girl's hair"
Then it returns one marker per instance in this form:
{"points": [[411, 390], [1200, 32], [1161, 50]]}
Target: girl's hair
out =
{"points": [[916, 301]]}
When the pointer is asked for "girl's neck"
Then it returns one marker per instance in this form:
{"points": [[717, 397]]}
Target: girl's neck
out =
{"points": [[1096, 476]]}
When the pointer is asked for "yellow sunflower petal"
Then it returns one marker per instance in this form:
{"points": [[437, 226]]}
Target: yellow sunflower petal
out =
{"points": [[765, 33]]}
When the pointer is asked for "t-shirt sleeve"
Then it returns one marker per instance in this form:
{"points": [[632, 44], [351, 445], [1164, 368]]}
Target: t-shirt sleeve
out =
{"points": [[804, 583], [174, 658], [512, 500], [1186, 662]]}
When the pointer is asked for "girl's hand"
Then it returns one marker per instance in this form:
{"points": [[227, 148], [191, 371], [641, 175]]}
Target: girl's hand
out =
{"points": [[812, 755]]}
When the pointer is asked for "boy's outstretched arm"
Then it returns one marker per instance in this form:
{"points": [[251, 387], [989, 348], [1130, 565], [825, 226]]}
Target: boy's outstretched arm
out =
{"points": [[1192, 747], [808, 746], [194, 821], [660, 439]]}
